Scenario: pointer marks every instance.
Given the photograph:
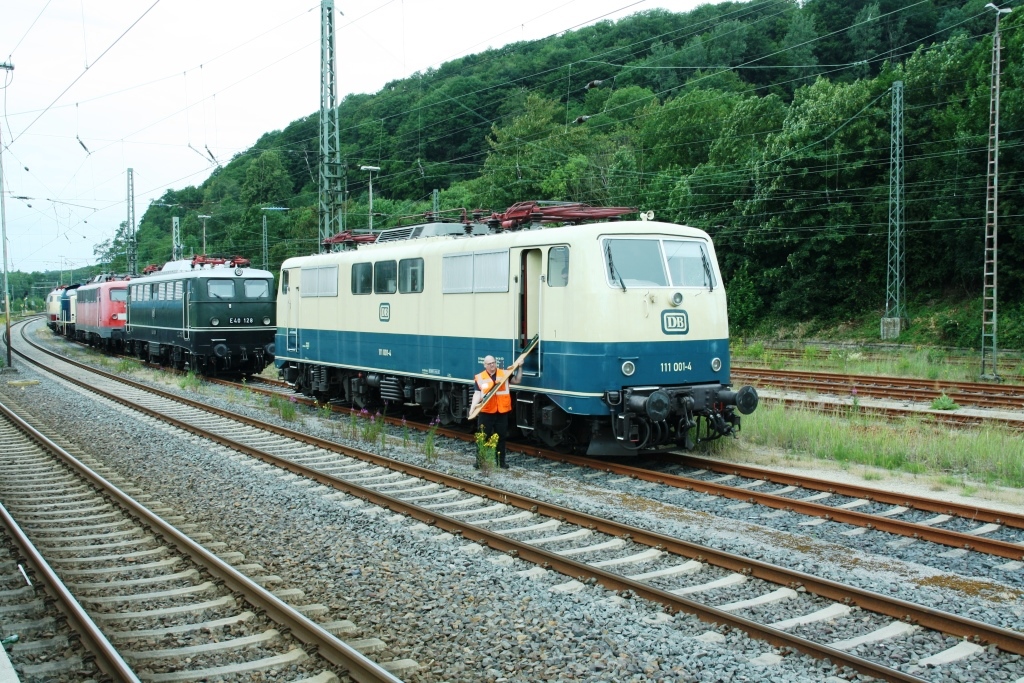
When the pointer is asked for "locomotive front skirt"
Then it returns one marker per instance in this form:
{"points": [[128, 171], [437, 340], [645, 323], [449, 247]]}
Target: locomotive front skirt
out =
{"points": [[631, 316]]}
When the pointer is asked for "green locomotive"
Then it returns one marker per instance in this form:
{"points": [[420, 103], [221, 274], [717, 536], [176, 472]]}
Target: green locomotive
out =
{"points": [[211, 315]]}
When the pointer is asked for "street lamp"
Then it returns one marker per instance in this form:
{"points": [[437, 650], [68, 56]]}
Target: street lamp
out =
{"points": [[371, 170], [3, 236], [204, 217], [268, 208]]}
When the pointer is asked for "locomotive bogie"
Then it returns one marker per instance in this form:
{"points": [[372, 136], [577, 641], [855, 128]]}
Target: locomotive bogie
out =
{"points": [[631, 317]]}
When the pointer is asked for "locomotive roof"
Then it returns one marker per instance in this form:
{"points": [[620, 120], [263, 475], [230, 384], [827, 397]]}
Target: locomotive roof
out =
{"points": [[174, 269], [506, 238]]}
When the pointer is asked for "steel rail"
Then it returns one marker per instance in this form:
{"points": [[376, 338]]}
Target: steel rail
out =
{"points": [[910, 529], [108, 659], [954, 539], [1010, 519], [328, 646], [1005, 639], [988, 396], [934, 416]]}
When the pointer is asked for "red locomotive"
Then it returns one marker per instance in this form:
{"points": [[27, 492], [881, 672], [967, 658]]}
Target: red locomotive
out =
{"points": [[102, 312]]}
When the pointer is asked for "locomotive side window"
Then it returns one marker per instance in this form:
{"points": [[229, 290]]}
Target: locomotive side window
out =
{"points": [[362, 278], [481, 271], [119, 295], [634, 263], [221, 289], [457, 274], [321, 281], [284, 281], [257, 289], [410, 275], [385, 277], [490, 271], [558, 267]]}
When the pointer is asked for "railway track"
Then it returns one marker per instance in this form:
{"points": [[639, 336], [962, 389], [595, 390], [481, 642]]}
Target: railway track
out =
{"points": [[961, 528], [764, 600], [826, 354], [983, 395], [134, 584]]}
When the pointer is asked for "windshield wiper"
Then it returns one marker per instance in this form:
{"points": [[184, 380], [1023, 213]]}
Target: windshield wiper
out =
{"points": [[611, 266], [707, 270]]}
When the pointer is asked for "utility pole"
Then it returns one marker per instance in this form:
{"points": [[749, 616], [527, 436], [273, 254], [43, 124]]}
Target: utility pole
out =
{"points": [[990, 290], [265, 209], [895, 320], [204, 217], [330, 135], [372, 170], [3, 234], [133, 266]]}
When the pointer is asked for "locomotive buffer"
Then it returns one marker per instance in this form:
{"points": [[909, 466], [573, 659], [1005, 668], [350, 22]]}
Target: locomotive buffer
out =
{"points": [[511, 371]]}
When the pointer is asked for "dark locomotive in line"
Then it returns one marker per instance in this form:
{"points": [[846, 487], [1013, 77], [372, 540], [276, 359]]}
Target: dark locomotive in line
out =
{"points": [[210, 315]]}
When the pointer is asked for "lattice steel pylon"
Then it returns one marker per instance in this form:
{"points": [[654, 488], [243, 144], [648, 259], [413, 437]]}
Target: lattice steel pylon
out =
{"points": [[895, 320], [176, 250], [990, 289], [133, 266], [330, 136]]}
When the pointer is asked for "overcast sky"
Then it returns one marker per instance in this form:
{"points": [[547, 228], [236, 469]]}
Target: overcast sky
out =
{"points": [[100, 86]]}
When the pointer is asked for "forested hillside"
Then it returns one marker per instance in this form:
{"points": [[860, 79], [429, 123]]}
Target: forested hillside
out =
{"points": [[765, 123]]}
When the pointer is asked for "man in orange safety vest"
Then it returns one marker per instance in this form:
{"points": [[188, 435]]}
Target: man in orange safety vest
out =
{"points": [[494, 415]]}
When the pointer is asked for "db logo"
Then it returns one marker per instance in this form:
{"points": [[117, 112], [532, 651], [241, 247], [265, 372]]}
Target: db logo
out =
{"points": [[385, 312], [675, 322]]}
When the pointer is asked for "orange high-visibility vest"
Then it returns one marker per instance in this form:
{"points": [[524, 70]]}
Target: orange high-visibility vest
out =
{"points": [[501, 402]]}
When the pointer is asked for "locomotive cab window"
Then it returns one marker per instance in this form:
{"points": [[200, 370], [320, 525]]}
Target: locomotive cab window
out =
{"points": [[634, 263], [657, 263], [689, 264], [221, 289], [558, 267], [284, 281], [385, 277], [362, 278], [257, 289], [119, 295], [410, 275]]}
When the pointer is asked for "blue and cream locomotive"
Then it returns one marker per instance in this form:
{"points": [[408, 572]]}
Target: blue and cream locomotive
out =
{"points": [[631, 317], [210, 315]]}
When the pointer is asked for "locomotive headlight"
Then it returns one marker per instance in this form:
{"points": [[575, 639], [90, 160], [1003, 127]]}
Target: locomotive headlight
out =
{"points": [[628, 368], [676, 299], [215, 321], [716, 364], [238, 272], [266, 320]]}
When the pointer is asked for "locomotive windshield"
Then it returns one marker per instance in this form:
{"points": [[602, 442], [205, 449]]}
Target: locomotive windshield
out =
{"points": [[257, 289], [657, 263], [221, 289], [119, 294]]}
